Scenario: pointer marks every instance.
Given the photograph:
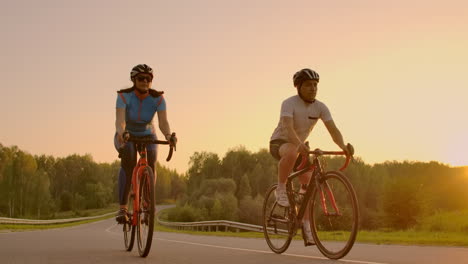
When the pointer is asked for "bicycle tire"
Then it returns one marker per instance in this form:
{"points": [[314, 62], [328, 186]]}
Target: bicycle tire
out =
{"points": [[145, 216], [278, 223], [128, 228], [335, 234]]}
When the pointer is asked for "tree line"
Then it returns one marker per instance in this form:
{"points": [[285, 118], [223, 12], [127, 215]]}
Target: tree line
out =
{"points": [[396, 195], [40, 186]]}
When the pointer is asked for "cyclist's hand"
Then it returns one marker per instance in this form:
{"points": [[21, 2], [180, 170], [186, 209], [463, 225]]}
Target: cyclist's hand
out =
{"points": [[120, 139], [172, 139], [303, 148], [349, 150], [123, 138]]}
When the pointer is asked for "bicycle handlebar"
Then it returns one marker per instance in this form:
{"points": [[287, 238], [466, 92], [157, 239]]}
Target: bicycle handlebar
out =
{"points": [[149, 140], [349, 154]]}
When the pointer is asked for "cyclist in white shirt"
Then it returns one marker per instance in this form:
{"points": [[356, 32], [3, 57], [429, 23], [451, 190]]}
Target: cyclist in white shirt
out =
{"points": [[299, 114]]}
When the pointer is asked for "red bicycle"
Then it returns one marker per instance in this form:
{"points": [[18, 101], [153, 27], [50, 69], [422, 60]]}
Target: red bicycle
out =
{"points": [[141, 200], [331, 203]]}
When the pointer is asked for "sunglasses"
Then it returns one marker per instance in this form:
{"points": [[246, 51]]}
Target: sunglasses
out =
{"points": [[142, 78]]}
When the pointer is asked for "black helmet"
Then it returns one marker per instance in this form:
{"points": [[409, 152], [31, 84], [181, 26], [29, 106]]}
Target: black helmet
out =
{"points": [[141, 68], [304, 75]]}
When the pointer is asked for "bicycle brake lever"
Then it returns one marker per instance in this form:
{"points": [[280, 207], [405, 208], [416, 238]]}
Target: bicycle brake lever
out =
{"points": [[174, 140]]}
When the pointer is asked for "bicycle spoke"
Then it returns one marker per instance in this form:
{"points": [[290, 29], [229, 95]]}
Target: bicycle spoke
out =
{"points": [[276, 223], [128, 229], [145, 224], [335, 230]]}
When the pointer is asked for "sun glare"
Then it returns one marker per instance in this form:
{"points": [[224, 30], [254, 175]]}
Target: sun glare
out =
{"points": [[458, 157]]}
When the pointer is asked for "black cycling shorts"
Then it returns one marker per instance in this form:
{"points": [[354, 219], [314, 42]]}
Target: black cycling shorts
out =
{"points": [[275, 146], [274, 151]]}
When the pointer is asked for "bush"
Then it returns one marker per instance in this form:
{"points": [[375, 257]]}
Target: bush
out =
{"points": [[446, 222], [183, 214], [250, 210]]}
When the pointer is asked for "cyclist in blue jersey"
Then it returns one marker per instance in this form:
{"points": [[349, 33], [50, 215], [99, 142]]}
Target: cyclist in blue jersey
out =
{"points": [[136, 107]]}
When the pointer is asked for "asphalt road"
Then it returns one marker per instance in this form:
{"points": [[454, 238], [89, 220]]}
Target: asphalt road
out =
{"points": [[102, 242]]}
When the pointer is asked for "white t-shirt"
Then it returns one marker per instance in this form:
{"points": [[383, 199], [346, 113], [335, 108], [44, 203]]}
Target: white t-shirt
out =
{"points": [[304, 115]]}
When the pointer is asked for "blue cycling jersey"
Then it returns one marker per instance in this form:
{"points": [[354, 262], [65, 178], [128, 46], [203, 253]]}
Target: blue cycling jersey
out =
{"points": [[139, 111]]}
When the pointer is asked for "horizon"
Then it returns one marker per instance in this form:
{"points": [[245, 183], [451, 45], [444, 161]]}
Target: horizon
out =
{"points": [[235, 149], [392, 74]]}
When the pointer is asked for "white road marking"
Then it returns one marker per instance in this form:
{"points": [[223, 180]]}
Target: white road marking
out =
{"points": [[249, 250], [108, 230], [267, 252]]}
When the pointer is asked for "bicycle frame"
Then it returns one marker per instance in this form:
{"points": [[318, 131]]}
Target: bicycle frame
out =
{"points": [[315, 182], [330, 200], [142, 181], [139, 167], [142, 163]]}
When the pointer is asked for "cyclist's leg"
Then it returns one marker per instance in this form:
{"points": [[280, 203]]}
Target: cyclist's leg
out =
{"points": [[152, 154], [127, 163], [304, 180], [308, 238], [288, 155]]}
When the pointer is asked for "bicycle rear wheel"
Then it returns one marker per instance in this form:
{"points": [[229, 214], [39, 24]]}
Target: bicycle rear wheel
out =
{"points": [[278, 223], [334, 232], [145, 225], [128, 228]]}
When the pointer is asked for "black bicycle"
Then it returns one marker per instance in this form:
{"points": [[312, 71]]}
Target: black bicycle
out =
{"points": [[330, 200]]}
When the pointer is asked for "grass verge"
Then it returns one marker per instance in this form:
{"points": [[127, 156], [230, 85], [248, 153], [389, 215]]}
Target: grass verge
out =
{"points": [[63, 215], [371, 237], [22, 227]]}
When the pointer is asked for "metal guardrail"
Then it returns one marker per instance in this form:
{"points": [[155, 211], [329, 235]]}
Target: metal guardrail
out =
{"points": [[216, 225], [212, 225], [5, 220]]}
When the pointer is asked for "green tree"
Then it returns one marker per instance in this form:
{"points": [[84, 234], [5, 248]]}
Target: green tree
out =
{"points": [[244, 188], [40, 202], [217, 211], [237, 163], [24, 168], [163, 183], [401, 205], [203, 165], [250, 210]]}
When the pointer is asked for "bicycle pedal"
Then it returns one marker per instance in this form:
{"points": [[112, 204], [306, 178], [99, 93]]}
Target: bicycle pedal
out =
{"points": [[121, 220]]}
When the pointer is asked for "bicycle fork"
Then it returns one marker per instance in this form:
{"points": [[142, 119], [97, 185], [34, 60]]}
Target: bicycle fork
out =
{"points": [[136, 181], [323, 197]]}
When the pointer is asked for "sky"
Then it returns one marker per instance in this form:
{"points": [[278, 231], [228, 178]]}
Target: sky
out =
{"points": [[393, 73]]}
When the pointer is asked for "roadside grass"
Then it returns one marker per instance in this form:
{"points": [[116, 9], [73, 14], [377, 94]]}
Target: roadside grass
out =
{"points": [[409, 237], [85, 213], [22, 227], [63, 215], [442, 229], [414, 237]]}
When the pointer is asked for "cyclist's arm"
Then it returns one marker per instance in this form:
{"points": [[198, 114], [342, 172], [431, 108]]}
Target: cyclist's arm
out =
{"points": [[335, 134], [120, 122], [164, 124], [288, 126]]}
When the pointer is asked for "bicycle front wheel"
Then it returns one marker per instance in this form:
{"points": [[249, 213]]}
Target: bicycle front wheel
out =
{"points": [[145, 223], [128, 228], [278, 223], [334, 215]]}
